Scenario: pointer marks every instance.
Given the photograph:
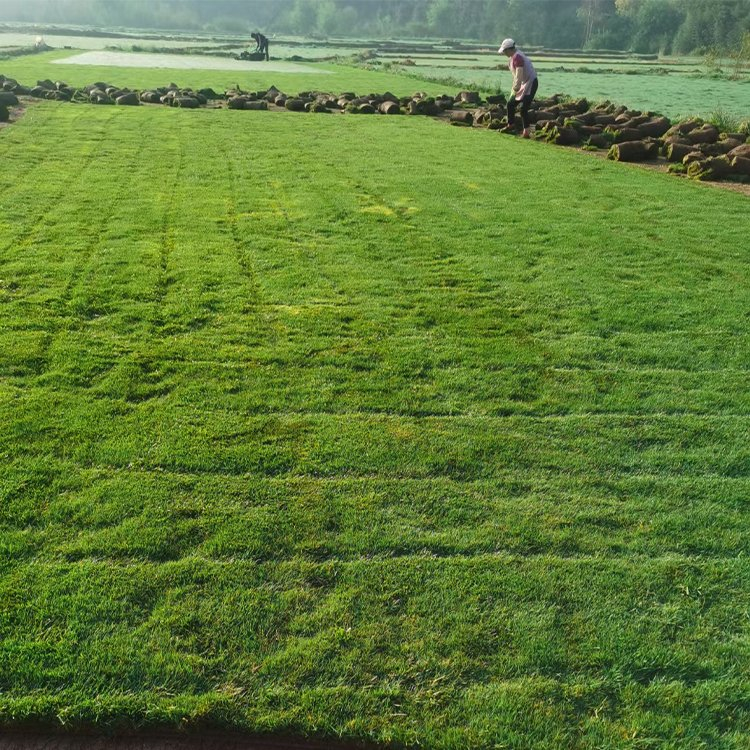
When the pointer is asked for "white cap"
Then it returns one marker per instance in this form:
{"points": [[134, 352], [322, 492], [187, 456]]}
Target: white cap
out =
{"points": [[506, 44]]}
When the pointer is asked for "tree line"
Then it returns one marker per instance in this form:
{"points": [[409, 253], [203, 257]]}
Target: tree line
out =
{"points": [[667, 26]]}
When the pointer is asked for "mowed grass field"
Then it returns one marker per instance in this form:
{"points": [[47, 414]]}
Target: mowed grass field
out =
{"points": [[369, 427], [675, 95]]}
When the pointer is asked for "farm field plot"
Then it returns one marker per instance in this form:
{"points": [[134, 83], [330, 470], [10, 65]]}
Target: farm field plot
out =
{"points": [[673, 95], [58, 41], [251, 76], [310, 425], [671, 86], [148, 60], [282, 48], [491, 60]]}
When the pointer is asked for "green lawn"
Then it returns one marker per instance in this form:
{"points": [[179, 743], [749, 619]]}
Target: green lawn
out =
{"points": [[369, 427]]}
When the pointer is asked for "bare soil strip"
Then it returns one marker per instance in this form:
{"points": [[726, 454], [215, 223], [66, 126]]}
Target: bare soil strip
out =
{"points": [[182, 62], [661, 165], [17, 740]]}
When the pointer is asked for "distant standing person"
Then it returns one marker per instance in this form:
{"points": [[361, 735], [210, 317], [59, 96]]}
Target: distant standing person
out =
{"points": [[525, 84], [261, 44]]}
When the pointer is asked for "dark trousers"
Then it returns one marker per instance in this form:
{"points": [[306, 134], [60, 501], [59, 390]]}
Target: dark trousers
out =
{"points": [[525, 104], [264, 49]]}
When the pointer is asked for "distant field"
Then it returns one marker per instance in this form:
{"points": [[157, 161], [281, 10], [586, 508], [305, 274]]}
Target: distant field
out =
{"points": [[337, 78], [278, 49], [673, 95], [310, 426], [672, 86], [492, 60], [59, 41], [108, 58]]}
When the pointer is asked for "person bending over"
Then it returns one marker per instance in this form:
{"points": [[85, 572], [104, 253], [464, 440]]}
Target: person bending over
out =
{"points": [[261, 44], [525, 84]]}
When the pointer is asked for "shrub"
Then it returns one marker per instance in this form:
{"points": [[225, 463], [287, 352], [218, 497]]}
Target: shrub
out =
{"points": [[724, 121]]}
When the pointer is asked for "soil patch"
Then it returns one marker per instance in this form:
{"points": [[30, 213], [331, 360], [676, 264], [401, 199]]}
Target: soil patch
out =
{"points": [[167, 741], [16, 112], [182, 62], [660, 165]]}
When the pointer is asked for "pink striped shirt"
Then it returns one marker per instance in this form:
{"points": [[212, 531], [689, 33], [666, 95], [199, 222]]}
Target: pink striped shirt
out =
{"points": [[524, 74]]}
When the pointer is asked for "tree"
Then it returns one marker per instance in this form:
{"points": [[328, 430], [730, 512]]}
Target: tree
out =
{"points": [[301, 18], [655, 23], [642, 25]]}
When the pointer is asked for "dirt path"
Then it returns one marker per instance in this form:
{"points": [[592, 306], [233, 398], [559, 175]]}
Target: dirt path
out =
{"points": [[165, 741], [183, 62], [661, 165]]}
